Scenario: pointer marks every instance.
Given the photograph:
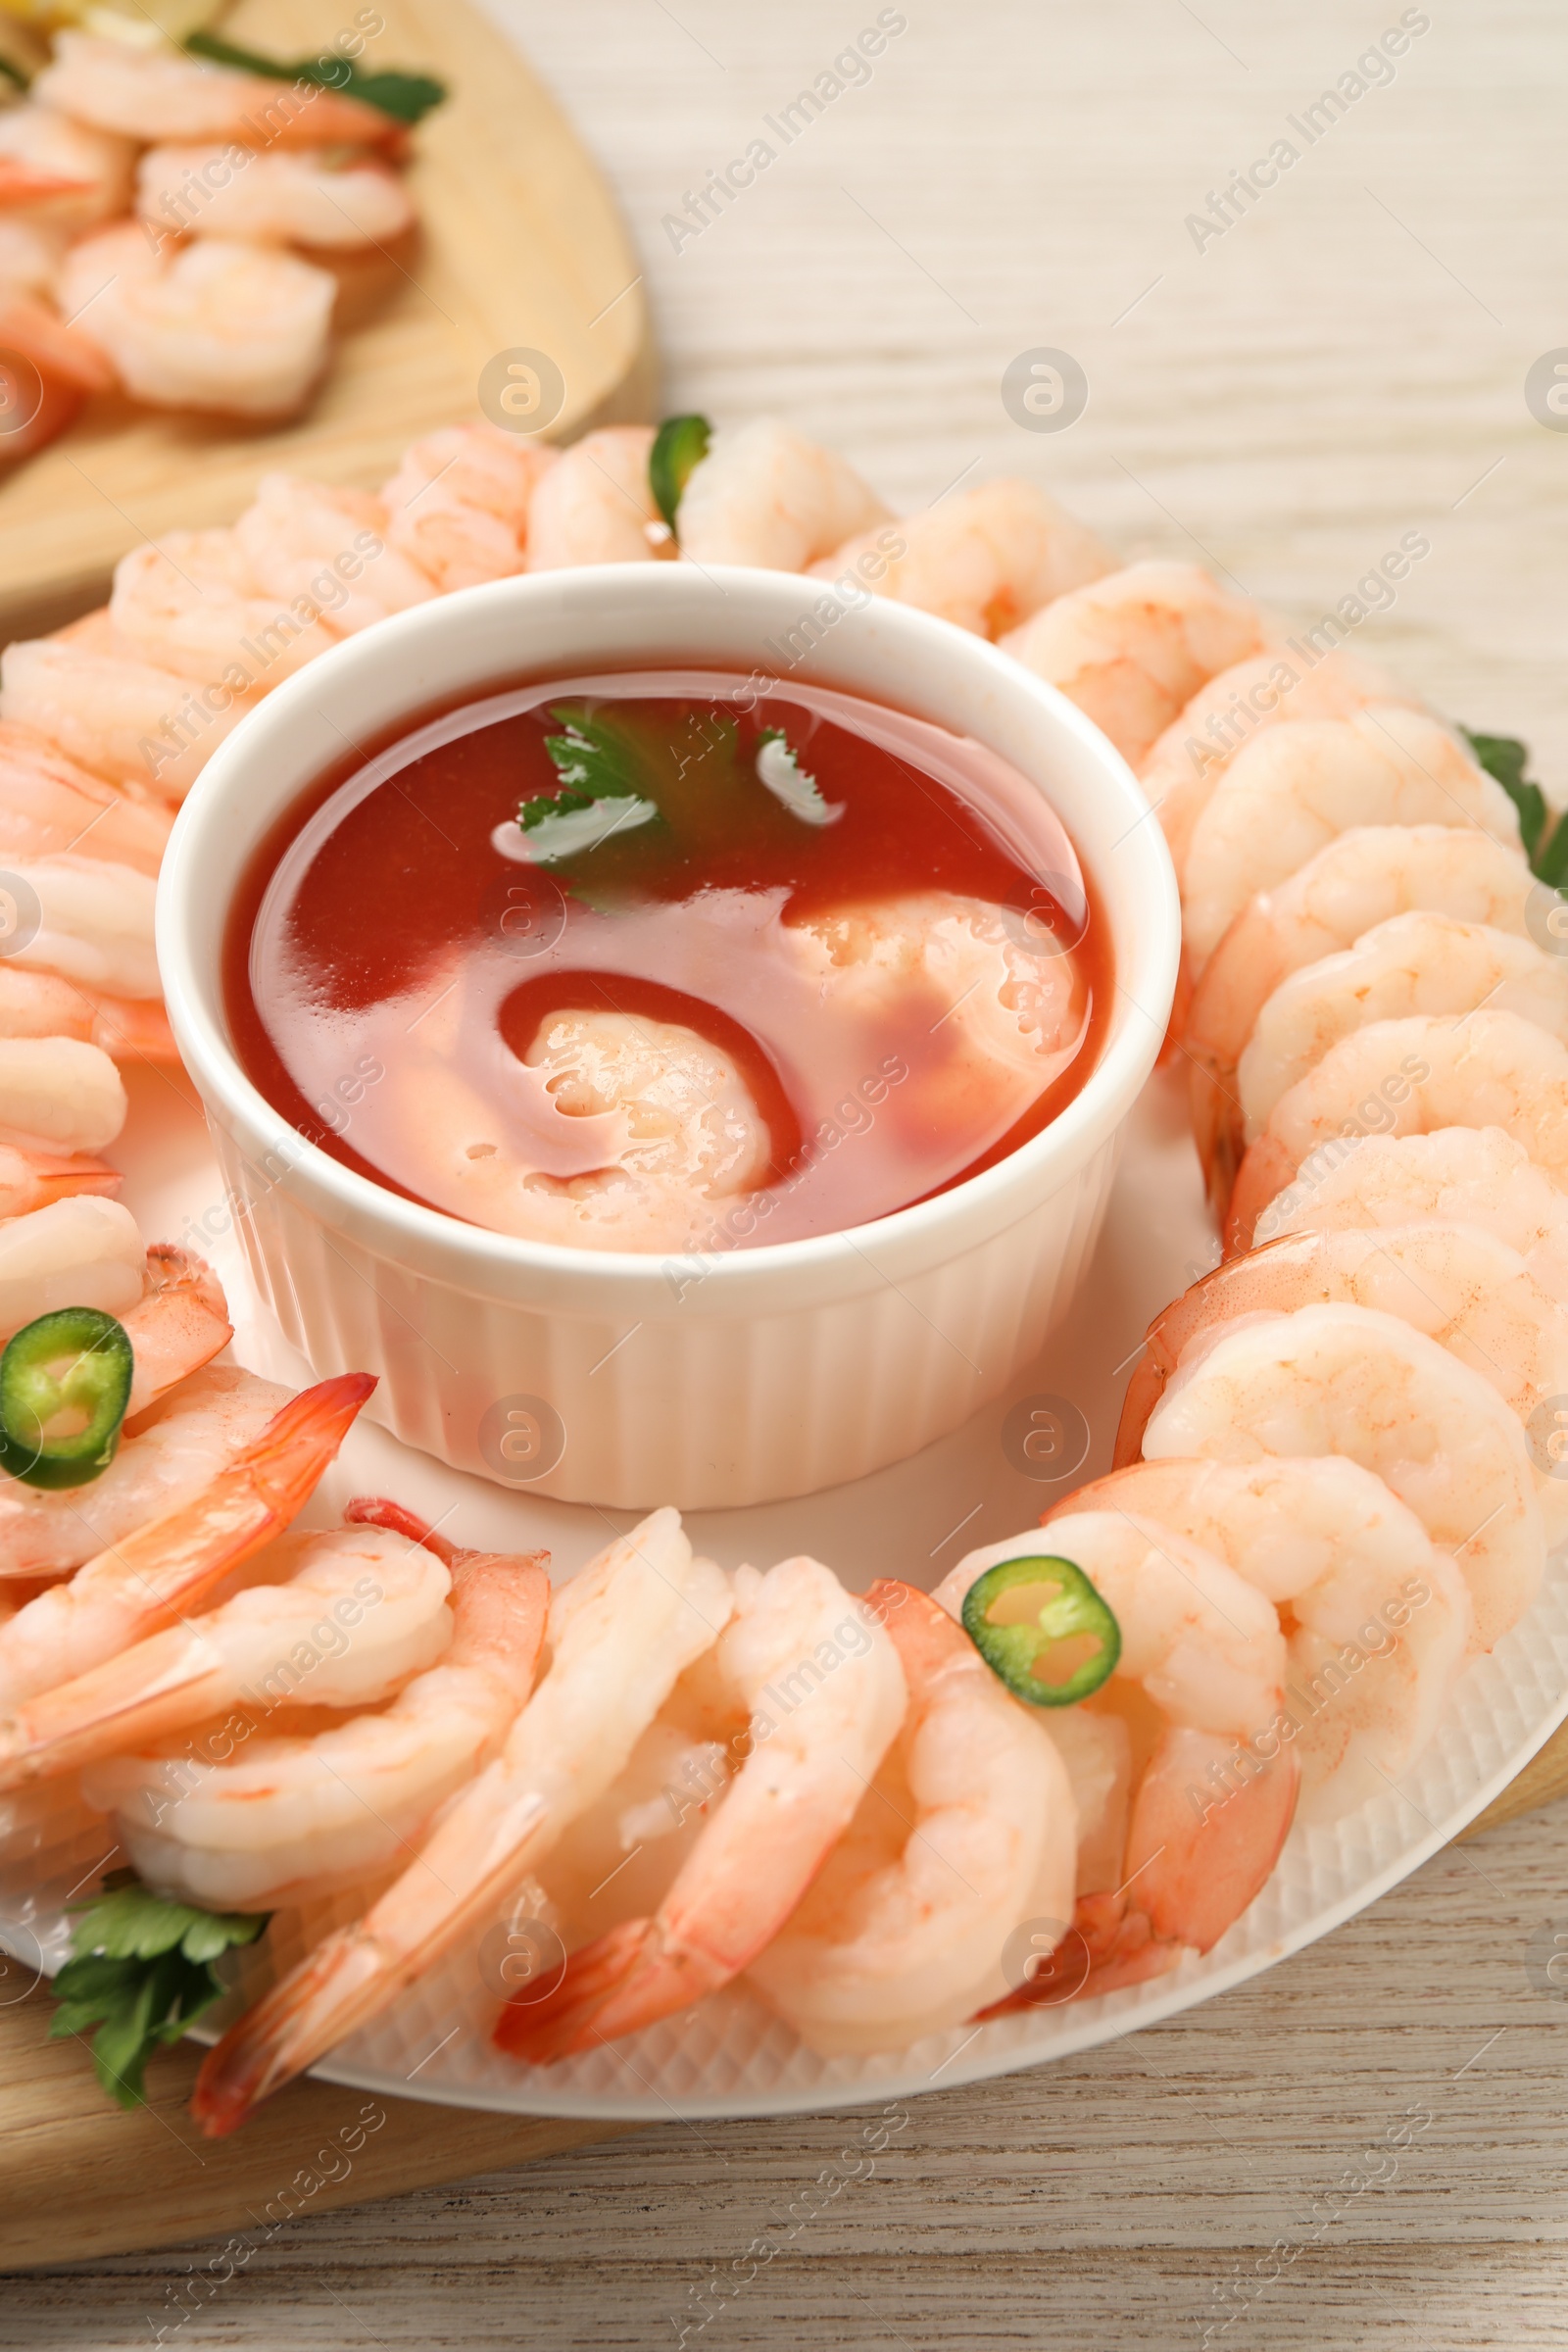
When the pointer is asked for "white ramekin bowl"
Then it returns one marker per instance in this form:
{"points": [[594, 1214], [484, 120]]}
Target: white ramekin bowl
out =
{"points": [[629, 1380]]}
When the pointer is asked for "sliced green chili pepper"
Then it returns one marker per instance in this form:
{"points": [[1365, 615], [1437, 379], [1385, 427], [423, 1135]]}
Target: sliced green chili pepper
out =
{"points": [[65, 1383], [1040, 1623], [679, 448]]}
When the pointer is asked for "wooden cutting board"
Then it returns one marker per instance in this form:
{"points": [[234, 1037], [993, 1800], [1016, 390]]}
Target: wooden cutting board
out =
{"points": [[78, 2178], [519, 247]]}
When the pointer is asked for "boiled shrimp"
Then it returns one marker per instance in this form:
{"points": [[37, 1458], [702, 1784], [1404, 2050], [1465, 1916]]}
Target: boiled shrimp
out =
{"points": [[1364, 1588], [285, 1817], [32, 1179], [986, 559], [1413, 964], [329, 198], [57, 1093], [812, 1746], [95, 924], [1283, 798], [90, 170], [159, 93], [1464, 1289], [597, 505], [1345, 1379], [1476, 1176], [1199, 1681], [620, 1635], [215, 324], [343, 1620], [1238, 705], [48, 369], [1132, 649], [50, 806], [1488, 1069], [326, 550], [130, 722], [191, 603], [766, 495], [1358, 880], [967, 1829], [180, 1323], [44, 1004], [158, 1567], [78, 1253], [459, 504]]}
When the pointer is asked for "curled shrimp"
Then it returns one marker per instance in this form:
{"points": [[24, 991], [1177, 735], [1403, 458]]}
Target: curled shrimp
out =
{"points": [[1464, 1289], [190, 602], [60, 1094], [1407, 1077], [127, 720], [95, 924], [180, 1323], [216, 325], [333, 199], [79, 175], [1351, 1380], [1198, 1679], [766, 495], [45, 1004], [163, 1565], [31, 1179], [1132, 649], [620, 1635], [817, 1733], [986, 559], [49, 806], [1476, 1176], [1377, 1618], [82, 1251], [460, 502], [280, 1817], [159, 93], [1413, 964], [342, 1620], [48, 366], [597, 506], [1233, 708], [1358, 880], [967, 1829], [1283, 798], [321, 549]]}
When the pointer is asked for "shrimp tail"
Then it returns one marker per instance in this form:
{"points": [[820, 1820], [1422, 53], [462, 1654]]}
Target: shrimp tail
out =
{"points": [[1263, 1174], [376, 1510], [1206, 1833], [31, 1180], [343, 1980], [624, 1979], [179, 1324]]}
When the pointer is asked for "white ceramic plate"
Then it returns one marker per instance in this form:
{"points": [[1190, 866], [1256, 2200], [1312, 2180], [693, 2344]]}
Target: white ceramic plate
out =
{"points": [[731, 2056]]}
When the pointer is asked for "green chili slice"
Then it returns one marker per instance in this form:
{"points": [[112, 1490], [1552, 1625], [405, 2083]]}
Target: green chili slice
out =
{"points": [[679, 448], [65, 1383], [1040, 1623]]}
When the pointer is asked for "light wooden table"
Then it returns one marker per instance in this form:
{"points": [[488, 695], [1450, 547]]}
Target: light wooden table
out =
{"points": [[1342, 365]]}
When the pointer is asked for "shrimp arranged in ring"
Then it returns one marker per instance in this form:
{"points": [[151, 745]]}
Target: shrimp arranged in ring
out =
{"points": [[155, 1569], [364, 1606], [1464, 1289], [59, 1093], [1413, 964], [1490, 1069], [325, 549], [596, 505], [159, 93], [333, 199], [190, 602], [1289, 793], [50, 806], [215, 324], [458, 505], [620, 1635], [82, 1251], [1349, 1380], [1132, 649], [295, 1815], [34, 1179], [1200, 1673], [1368, 1595], [1358, 880], [986, 559], [95, 924], [45, 1004], [129, 721], [1474, 1176], [1228, 714], [793, 1798], [967, 1829], [766, 495]]}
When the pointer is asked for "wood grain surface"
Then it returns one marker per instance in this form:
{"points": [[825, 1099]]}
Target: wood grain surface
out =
{"points": [[519, 245], [1345, 364]]}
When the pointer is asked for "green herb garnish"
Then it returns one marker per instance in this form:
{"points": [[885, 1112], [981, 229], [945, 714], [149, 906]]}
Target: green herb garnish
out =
{"points": [[141, 1972], [567, 824], [405, 97], [1040, 1623], [679, 448], [1542, 830], [601, 769], [13, 73], [65, 1383], [780, 769]]}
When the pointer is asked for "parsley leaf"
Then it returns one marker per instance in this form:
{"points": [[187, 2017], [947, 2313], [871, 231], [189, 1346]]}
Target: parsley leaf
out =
{"points": [[141, 1972], [405, 97], [600, 771], [1506, 758], [779, 770]]}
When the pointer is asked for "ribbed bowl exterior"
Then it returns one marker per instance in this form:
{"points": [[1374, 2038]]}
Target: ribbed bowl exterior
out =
{"points": [[624, 1379]]}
